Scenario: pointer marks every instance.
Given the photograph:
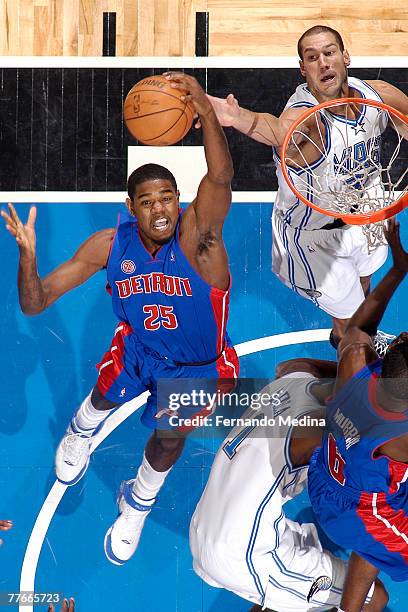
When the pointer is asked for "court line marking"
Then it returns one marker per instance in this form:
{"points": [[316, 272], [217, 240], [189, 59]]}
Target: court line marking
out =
{"points": [[44, 518]]}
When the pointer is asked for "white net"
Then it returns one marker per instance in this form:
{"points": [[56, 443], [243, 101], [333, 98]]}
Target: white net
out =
{"points": [[337, 160]]}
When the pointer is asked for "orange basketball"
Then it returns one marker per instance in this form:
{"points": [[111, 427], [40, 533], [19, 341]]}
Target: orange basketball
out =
{"points": [[155, 114]]}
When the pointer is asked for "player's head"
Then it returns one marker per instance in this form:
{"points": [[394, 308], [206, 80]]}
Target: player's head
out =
{"points": [[324, 62], [148, 172], [394, 375], [154, 201]]}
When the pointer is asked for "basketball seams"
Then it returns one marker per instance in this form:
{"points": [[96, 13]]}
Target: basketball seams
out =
{"points": [[171, 127], [162, 93], [163, 110], [182, 113], [172, 122]]}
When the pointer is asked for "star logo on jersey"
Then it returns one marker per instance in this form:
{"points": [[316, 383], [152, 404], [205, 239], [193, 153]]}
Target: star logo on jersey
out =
{"points": [[323, 583], [359, 128], [128, 266]]}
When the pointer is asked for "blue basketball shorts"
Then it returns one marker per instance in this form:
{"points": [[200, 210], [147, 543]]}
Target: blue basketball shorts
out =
{"points": [[374, 525], [129, 368]]}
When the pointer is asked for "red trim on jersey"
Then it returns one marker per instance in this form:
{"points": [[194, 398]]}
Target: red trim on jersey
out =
{"points": [[384, 524], [220, 304], [111, 364], [112, 240], [372, 396], [228, 366], [153, 258], [397, 471], [107, 286]]}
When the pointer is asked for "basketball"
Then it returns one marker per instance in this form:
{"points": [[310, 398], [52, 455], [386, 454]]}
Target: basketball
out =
{"points": [[155, 114]]}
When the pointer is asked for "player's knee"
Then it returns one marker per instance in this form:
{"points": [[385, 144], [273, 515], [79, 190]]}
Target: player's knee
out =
{"points": [[169, 445], [99, 402], [379, 599]]}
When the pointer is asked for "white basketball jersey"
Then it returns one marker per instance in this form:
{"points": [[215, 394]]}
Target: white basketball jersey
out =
{"points": [[346, 140], [252, 475]]}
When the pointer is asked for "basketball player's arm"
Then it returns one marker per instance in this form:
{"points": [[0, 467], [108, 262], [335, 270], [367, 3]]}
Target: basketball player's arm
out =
{"points": [[262, 127], [91, 257], [397, 99], [213, 199], [356, 349], [360, 576], [36, 294]]}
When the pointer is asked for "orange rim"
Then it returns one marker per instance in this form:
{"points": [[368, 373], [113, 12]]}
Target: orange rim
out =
{"points": [[351, 218]]}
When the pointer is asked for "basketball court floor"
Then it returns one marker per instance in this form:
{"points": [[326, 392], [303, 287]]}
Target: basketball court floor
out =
{"points": [[47, 365]]}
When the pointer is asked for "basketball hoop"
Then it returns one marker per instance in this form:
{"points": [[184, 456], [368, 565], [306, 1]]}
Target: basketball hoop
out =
{"points": [[331, 160]]}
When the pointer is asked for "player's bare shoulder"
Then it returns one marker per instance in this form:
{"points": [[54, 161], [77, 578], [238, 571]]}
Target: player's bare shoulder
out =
{"points": [[391, 95], [95, 250]]}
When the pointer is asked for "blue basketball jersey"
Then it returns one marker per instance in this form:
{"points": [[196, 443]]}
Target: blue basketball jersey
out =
{"points": [[356, 427], [170, 308], [359, 496]]}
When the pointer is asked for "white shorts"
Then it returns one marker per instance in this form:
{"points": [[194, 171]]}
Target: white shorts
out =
{"points": [[324, 265], [290, 571], [240, 538]]}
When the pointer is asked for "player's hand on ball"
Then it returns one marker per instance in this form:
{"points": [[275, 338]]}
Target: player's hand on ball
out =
{"points": [[392, 234], [194, 92], [24, 234]]}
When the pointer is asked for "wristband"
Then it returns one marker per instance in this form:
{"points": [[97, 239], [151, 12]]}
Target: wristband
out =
{"points": [[253, 126]]}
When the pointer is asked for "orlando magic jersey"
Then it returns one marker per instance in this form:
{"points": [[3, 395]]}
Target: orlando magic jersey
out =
{"points": [[356, 427], [350, 145], [239, 524], [251, 477], [171, 309]]}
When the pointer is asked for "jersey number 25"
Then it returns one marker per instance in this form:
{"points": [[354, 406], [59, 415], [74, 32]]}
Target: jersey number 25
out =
{"points": [[159, 316]]}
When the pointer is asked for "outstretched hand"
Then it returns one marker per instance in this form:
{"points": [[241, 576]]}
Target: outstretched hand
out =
{"points": [[227, 109], [24, 234], [65, 607], [5, 526], [392, 234]]}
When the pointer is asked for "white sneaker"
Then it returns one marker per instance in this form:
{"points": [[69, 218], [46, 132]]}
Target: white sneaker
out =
{"points": [[122, 538], [382, 341], [72, 457]]}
